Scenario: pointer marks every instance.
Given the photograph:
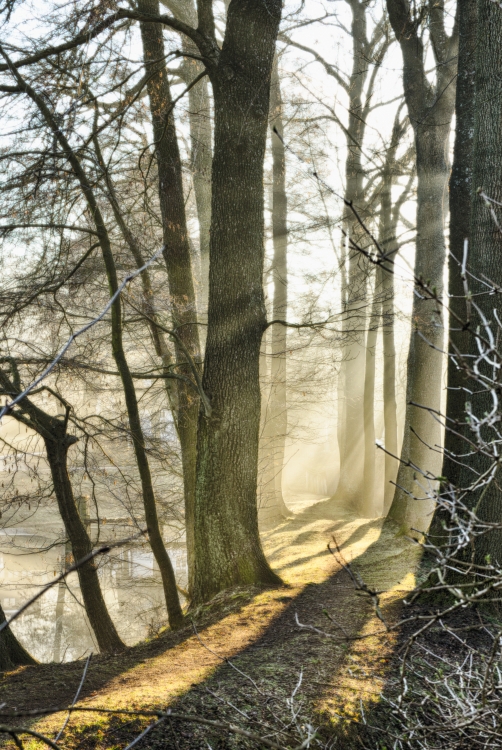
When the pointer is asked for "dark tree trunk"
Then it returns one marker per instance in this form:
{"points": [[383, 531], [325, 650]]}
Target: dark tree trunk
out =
{"points": [[430, 109], [12, 654], [226, 521], [176, 254], [460, 218], [57, 442], [57, 445], [485, 248]]}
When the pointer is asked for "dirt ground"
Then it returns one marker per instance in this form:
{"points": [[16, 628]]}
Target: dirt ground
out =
{"points": [[240, 657]]}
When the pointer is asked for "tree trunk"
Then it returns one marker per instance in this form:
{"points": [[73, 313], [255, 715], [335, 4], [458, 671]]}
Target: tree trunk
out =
{"points": [[413, 500], [57, 446], [460, 219], [200, 160], [58, 633], [176, 254], [389, 387], [351, 434], [226, 521], [199, 113], [12, 654], [430, 109], [486, 245], [387, 231], [367, 508], [277, 411]]}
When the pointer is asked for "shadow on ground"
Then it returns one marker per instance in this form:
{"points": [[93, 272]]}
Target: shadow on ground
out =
{"points": [[258, 632]]}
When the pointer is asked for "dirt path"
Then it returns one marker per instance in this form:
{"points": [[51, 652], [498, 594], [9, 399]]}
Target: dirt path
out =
{"points": [[258, 631]]}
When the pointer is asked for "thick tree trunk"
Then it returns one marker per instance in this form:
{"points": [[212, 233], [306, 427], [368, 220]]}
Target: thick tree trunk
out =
{"points": [[176, 254], [12, 654], [228, 548], [57, 450], [460, 219], [277, 410], [486, 244], [413, 500], [430, 109]]}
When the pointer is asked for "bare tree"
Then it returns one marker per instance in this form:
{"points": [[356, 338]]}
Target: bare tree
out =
{"points": [[430, 108]]}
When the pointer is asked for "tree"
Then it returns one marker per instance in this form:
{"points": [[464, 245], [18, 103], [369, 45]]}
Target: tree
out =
{"points": [[228, 549], [276, 411], [117, 347], [369, 47], [485, 245], [461, 183], [176, 254], [383, 310], [57, 441], [12, 653], [430, 108]]}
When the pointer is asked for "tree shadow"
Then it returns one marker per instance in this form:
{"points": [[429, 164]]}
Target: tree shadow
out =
{"points": [[260, 677]]}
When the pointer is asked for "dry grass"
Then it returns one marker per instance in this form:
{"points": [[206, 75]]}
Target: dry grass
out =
{"points": [[257, 630]]}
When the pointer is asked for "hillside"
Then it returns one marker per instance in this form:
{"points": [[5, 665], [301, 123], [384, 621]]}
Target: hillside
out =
{"points": [[189, 671]]}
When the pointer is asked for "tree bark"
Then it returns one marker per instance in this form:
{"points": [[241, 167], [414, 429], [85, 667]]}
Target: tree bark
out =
{"points": [[176, 254], [486, 244], [460, 219], [430, 109], [226, 521], [12, 654]]}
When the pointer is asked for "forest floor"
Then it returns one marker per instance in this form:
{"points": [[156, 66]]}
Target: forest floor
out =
{"points": [[244, 651]]}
